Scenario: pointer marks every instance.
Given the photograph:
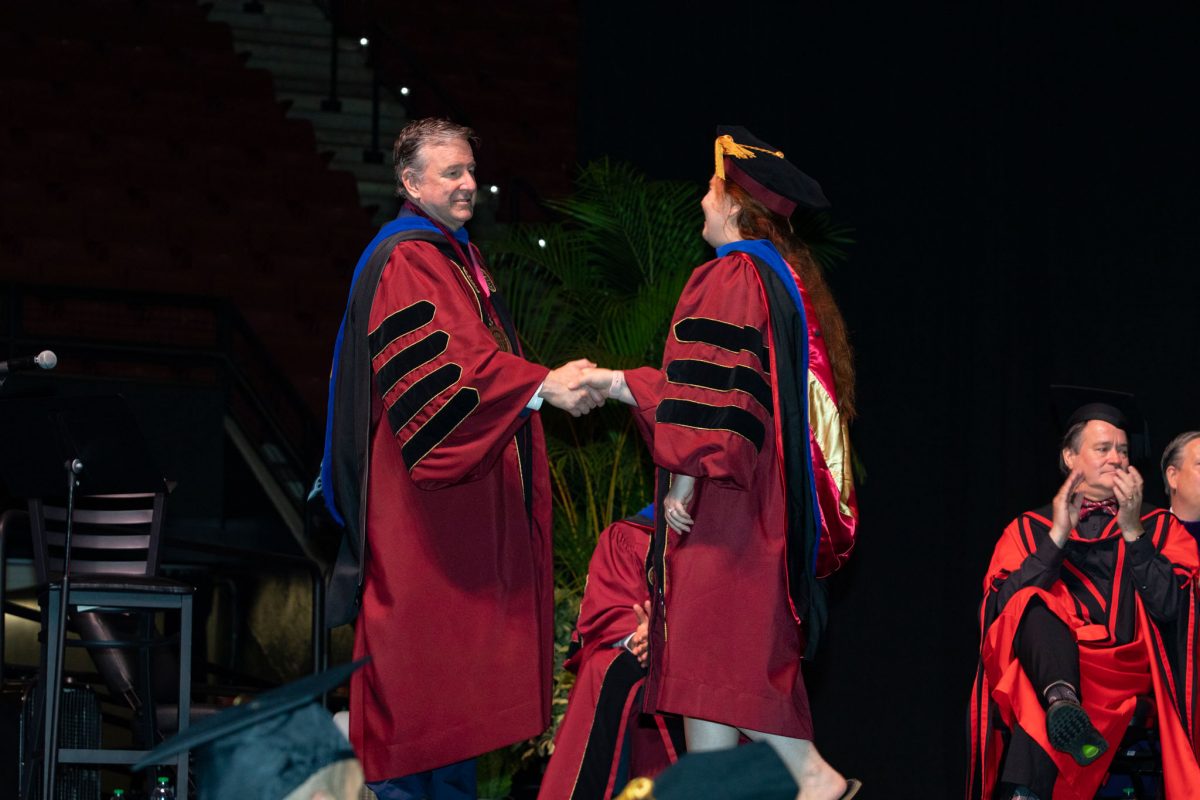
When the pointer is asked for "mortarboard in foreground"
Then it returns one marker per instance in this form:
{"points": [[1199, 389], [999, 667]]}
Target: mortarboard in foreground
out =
{"points": [[266, 747]]}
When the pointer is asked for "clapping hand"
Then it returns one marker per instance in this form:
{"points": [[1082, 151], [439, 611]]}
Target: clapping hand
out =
{"points": [[1127, 485], [1066, 508]]}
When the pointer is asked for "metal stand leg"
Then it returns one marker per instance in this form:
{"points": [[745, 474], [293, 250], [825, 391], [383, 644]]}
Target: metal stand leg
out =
{"points": [[58, 613], [144, 720], [185, 690], [50, 692]]}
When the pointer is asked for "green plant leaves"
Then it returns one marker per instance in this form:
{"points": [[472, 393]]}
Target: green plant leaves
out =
{"points": [[603, 281]]}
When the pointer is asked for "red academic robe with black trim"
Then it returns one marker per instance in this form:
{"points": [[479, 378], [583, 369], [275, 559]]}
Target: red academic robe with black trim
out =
{"points": [[1127, 647], [591, 760], [456, 608], [725, 642]]}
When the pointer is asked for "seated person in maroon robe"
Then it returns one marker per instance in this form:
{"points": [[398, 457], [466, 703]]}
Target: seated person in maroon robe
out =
{"points": [[1089, 608], [604, 738]]}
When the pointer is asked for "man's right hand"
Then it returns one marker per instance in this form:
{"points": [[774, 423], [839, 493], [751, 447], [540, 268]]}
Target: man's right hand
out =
{"points": [[562, 389], [1066, 508], [609, 382]]}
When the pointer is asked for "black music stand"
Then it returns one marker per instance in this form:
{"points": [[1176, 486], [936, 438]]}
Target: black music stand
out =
{"points": [[46, 442]]}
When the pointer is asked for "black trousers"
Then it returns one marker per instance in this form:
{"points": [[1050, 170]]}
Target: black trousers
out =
{"points": [[1047, 651]]}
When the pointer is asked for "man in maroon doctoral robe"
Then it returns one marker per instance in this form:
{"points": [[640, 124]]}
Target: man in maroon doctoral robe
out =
{"points": [[435, 463], [604, 738]]}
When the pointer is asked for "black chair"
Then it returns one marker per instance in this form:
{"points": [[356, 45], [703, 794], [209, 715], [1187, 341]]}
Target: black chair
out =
{"points": [[1138, 758], [114, 590]]}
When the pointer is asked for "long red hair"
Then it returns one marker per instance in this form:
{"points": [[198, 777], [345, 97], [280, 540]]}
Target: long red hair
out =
{"points": [[755, 221]]}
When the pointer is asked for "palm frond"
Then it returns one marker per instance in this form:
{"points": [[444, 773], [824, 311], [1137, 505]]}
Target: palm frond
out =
{"points": [[826, 239]]}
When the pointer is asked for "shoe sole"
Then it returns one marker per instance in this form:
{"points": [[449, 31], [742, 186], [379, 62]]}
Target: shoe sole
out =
{"points": [[1070, 731]]}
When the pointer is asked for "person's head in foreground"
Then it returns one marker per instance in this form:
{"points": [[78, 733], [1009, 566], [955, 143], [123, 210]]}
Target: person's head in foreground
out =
{"points": [[751, 772], [282, 745]]}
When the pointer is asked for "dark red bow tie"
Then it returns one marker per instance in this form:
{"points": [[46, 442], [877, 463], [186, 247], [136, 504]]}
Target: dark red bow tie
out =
{"points": [[1090, 507]]}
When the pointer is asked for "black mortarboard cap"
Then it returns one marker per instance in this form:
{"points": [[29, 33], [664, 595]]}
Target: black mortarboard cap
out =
{"points": [[753, 772], [763, 171], [1075, 404], [265, 747]]}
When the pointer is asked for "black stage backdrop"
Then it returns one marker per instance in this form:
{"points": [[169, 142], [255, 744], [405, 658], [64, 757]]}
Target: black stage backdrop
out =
{"points": [[1024, 189]]}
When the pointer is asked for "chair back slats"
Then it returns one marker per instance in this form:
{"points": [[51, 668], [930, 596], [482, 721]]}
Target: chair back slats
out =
{"points": [[112, 534], [91, 516], [79, 567], [99, 541]]}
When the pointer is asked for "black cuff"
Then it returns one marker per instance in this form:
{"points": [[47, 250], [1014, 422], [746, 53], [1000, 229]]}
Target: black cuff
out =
{"points": [[1050, 555], [1141, 550]]}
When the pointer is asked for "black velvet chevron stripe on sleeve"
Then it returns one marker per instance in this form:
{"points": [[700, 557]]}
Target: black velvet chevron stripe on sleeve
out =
{"points": [[708, 375], [398, 324], [724, 335], [411, 357], [420, 393], [439, 426], [716, 418]]}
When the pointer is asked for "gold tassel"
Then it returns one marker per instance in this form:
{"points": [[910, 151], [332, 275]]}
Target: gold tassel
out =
{"points": [[638, 789], [726, 146]]}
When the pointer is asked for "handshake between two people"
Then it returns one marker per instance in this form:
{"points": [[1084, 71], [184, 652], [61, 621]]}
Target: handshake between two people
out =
{"points": [[579, 386]]}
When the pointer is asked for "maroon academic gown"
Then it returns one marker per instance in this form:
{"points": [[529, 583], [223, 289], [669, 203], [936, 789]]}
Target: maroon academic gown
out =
{"points": [[457, 596], [726, 645], [602, 711]]}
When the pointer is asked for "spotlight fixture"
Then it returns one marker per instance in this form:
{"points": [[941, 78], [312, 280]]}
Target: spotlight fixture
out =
{"points": [[404, 91], [494, 189], [542, 243], [364, 41]]}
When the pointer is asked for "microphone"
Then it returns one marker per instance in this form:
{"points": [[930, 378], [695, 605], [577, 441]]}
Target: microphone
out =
{"points": [[43, 360]]}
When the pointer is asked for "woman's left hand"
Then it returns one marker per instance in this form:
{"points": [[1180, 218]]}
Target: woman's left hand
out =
{"points": [[676, 502]]}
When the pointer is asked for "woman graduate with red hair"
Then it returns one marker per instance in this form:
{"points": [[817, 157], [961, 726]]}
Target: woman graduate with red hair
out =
{"points": [[747, 423]]}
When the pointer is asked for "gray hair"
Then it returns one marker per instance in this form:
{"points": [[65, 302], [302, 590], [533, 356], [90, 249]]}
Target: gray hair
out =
{"points": [[408, 151], [1173, 455]]}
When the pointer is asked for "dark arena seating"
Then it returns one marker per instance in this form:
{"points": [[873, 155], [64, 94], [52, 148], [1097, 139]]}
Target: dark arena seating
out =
{"points": [[138, 152]]}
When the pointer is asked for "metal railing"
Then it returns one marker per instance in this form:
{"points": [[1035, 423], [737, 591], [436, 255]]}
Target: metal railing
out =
{"points": [[148, 336], [382, 41]]}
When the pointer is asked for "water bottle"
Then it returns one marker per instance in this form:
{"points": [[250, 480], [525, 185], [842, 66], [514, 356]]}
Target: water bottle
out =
{"points": [[163, 790]]}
